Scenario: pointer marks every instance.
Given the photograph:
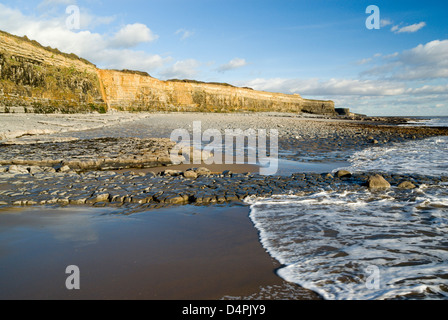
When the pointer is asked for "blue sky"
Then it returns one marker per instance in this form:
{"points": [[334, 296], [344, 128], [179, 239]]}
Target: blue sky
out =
{"points": [[318, 49]]}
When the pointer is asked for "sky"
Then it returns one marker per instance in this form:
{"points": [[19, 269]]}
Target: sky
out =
{"points": [[318, 49]]}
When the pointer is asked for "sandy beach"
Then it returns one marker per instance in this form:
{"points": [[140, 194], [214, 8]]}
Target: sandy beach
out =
{"points": [[140, 233]]}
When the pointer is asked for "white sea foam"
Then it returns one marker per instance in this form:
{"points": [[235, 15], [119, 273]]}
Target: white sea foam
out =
{"points": [[327, 241], [433, 122], [426, 157]]}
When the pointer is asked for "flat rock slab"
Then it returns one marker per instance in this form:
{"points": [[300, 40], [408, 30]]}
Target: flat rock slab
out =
{"points": [[91, 154]]}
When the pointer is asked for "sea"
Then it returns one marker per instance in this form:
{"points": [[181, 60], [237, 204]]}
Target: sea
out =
{"points": [[362, 245]]}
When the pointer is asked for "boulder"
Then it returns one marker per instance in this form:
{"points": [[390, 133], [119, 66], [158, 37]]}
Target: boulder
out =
{"points": [[18, 169], [203, 171], [190, 174], [35, 169], [406, 185], [62, 168], [377, 182], [227, 173], [343, 173], [172, 173]]}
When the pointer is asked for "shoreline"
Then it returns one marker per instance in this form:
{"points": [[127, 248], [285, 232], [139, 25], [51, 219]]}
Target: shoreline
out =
{"points": [[310, 151]]}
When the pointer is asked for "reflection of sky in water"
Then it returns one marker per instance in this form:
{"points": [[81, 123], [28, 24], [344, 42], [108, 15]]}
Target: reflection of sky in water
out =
{"points": [[76, 226]]}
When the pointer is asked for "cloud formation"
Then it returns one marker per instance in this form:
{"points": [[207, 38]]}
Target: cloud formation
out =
{"points": [[184, 33], [232, 64], [417, 77], [132, 35], [331, 87], [408, 29], [426, 61], [184, 69], [108, 51]]}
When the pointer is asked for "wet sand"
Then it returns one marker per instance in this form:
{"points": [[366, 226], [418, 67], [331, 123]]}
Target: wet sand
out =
{"points": [[182, 253]]}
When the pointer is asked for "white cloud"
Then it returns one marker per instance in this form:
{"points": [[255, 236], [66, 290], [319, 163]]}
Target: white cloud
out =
{"points": [[364, 61], [411, 82], [429, 89], [184, 33], [426, 61], [47, 3], [102, 50], [132, 35], [129, 59], [408, 29], [232, 64], [184, 69], [89, 21], [385, 22], [331, 87]]}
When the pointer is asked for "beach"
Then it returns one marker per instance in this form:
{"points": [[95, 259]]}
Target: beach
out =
{"points": [[175, 232]]}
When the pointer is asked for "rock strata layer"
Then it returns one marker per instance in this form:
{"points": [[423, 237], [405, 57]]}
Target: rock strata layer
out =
{"points": [[46, 80], [91, 154], [19, 187]]}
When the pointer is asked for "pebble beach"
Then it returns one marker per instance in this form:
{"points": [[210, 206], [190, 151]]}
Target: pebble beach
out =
{"points": [[120, 162]]}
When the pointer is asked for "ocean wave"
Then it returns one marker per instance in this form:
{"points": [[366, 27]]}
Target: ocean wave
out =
{"points": [[328, 241], [426, 157]]}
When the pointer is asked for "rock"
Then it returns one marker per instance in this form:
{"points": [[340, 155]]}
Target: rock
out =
{"points": [[77, 200], [17, 169], [35, 169], [100, 197], [406, 185], [227, 173], [343, 174], [174, 199], [172, 173], [377, 182], [203, 171], [190, 174], [63, 169], [232, 197]]}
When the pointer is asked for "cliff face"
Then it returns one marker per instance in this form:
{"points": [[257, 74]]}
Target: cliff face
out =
{"points": [[32, 75], [126, 90]]}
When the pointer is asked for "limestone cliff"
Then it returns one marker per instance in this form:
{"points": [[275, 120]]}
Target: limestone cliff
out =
{"points": [[44, 78]]}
